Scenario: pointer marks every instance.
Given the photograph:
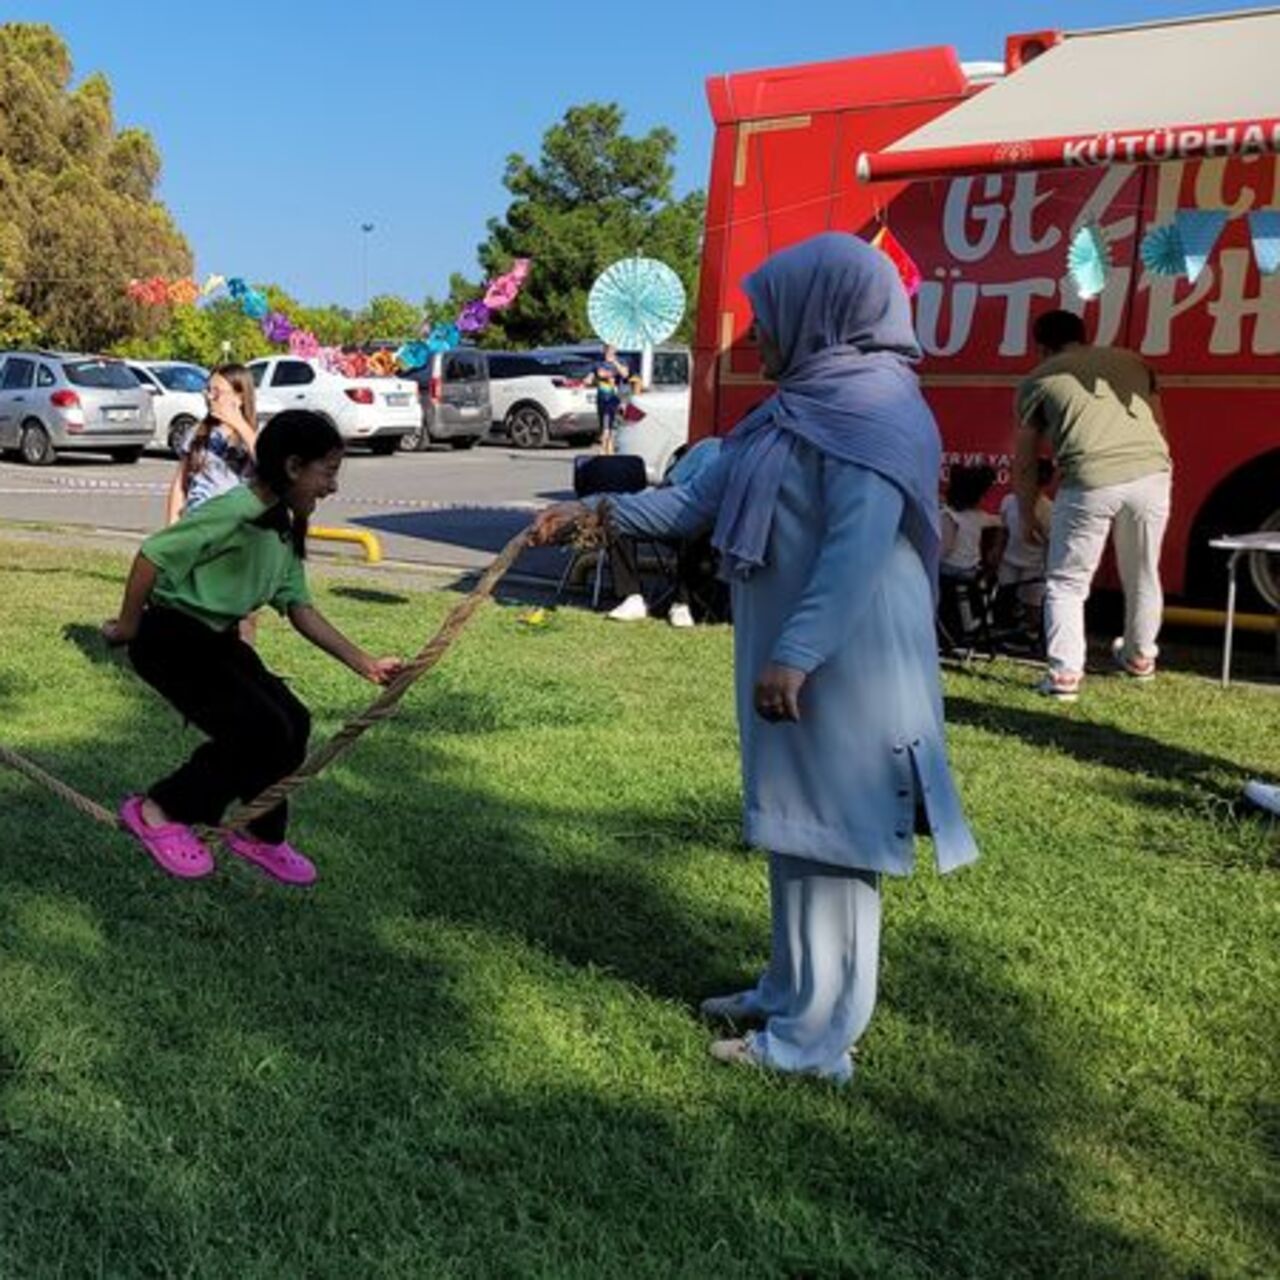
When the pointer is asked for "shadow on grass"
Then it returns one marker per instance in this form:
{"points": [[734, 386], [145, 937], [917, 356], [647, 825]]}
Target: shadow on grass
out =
{"points": [[71, 571], [89, 640], [1101, 744], [231, 1078], [368, 595]]}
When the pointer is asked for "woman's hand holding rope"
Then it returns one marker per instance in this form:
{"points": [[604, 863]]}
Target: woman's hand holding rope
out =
{"points": [[558, 523]]}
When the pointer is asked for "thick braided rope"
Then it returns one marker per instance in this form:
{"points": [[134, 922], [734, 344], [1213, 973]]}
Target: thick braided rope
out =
{"points": [[88, 807], [385, 704]]}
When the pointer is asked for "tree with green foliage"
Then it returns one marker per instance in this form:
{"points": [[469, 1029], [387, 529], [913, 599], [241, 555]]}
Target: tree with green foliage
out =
{"points": [[595, 194], [78, 217]]}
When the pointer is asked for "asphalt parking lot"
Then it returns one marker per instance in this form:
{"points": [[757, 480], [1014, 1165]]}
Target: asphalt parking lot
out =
{"points": [[442, 508]]}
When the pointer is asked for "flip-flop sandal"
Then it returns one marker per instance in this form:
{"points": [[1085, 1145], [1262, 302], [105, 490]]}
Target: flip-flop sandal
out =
{"points": [[280, 861], [173, 846]]}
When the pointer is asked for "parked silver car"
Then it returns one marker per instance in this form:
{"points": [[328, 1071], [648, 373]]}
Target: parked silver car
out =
{"points": [[455, 395], [177, 396], [56, 401]]}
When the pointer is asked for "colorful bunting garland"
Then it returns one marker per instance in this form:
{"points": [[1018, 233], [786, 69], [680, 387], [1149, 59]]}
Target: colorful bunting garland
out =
{"points": [[1264, 232], [474, 316]]}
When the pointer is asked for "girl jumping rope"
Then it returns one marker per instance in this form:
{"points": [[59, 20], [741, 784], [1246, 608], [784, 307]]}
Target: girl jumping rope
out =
{"points": [[190, 586]]}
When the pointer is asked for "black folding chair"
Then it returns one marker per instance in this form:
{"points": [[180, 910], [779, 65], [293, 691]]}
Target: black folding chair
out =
{"points": [[601, 474]]}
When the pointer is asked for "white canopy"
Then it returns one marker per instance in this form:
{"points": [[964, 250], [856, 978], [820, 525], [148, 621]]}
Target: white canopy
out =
{"points": [[1197, 74]]}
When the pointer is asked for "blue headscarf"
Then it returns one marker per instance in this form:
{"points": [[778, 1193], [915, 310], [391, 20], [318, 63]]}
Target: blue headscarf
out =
{"points": [[841, 319]]}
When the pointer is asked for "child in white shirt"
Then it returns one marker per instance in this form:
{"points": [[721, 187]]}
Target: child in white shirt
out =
{"points": [[964, 521], [1022, 565]]}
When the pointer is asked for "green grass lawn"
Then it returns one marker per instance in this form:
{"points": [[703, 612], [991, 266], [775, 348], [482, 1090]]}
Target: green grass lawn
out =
{"points": [[473, 1049]]}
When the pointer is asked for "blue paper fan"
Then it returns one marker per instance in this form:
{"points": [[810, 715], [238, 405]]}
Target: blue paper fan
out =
{"points": [[1198, 229], [1162, 253], [1264, 231], [636, 302], [1088, 260]]}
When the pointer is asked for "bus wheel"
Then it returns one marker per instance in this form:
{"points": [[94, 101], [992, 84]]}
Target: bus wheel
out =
{"points": [[1247, 502]]}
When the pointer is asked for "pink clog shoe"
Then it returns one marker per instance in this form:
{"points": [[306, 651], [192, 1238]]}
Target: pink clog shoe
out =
{"points": [[174, 847], [280, 861]]}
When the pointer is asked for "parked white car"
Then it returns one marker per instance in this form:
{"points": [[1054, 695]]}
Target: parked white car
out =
{"points": [[177, 396], [662, 429], [537, 397], [375, 412]]}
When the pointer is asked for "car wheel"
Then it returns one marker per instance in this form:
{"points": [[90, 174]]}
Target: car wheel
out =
{"points": [[384, 446], [528, 427], [35, 446], [179, 428], [464, 442], [126, 456]]}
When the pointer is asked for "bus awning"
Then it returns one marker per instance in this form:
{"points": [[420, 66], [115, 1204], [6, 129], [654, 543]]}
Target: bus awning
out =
{"points": [[1128, 95]]}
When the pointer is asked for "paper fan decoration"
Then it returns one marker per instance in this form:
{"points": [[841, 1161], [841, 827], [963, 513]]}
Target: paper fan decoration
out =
{"points": [[254, 304], [903, 262], [1088, 260], [441, 337], [1182, 247], [473, 317], [1264, 231], [1161, 251], [277, 327], [304, 345], [637, 302], [413, 355]]}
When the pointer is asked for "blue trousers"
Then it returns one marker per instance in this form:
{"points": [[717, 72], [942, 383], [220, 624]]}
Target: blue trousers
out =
{"points": [[819, 990]]}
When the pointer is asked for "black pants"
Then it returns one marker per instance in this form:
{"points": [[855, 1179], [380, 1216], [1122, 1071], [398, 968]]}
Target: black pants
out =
{"points": [[625, 567], [257, 729]]}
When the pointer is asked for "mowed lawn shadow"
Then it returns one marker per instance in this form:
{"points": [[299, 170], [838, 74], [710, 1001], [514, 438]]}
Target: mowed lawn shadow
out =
{"points": [[1100, 744]]}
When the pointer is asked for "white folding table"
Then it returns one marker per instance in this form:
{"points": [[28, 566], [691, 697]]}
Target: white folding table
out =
{"points": [[1240, 544]]}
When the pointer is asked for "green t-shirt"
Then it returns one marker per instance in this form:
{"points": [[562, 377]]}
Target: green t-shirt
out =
{"points": [[1094, 404], [218, 566]]}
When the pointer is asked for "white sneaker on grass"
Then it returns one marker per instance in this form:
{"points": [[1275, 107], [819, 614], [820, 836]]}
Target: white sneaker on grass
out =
{"points": [[1265, 795], [632, 609], [679, 616]]}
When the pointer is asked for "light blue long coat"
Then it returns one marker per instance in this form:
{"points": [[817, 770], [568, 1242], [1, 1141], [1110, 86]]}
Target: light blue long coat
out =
{"points": [[844, 597]]}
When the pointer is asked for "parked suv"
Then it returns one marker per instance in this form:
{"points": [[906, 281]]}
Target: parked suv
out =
{"points": [[375, 412], [56, 401], [542, 396], [177, 396], [454, 389]]}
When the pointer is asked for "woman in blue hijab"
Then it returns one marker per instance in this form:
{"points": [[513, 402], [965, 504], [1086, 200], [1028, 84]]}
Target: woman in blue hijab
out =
{"points": [[825, 511]]}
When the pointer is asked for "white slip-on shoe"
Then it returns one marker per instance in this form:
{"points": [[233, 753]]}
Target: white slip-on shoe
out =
{"points": [[632, 609], [680, 616]]}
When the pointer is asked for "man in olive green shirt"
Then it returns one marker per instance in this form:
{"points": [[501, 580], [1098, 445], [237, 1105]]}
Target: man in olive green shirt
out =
{"points": [[1098, 410]]}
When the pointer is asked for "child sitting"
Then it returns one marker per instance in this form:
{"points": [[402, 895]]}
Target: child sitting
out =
{"points": [[964, 522], [190, 586], [1022, 566]]}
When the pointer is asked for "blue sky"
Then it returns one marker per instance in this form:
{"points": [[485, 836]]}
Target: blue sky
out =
{"points": [[284, 126]]}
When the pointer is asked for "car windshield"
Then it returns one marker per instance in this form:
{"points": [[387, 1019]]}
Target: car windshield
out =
{"points": [[181, 377], [108, 374]]}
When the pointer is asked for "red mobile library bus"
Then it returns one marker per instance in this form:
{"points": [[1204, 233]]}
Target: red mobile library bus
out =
{"points": [[983, 171]]}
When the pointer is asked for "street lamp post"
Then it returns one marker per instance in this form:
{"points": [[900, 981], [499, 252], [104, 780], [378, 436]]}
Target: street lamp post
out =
{"points": [[365, 229]]}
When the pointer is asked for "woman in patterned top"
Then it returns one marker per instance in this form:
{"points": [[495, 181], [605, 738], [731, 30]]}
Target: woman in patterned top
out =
{"points": [[217, 454]]}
